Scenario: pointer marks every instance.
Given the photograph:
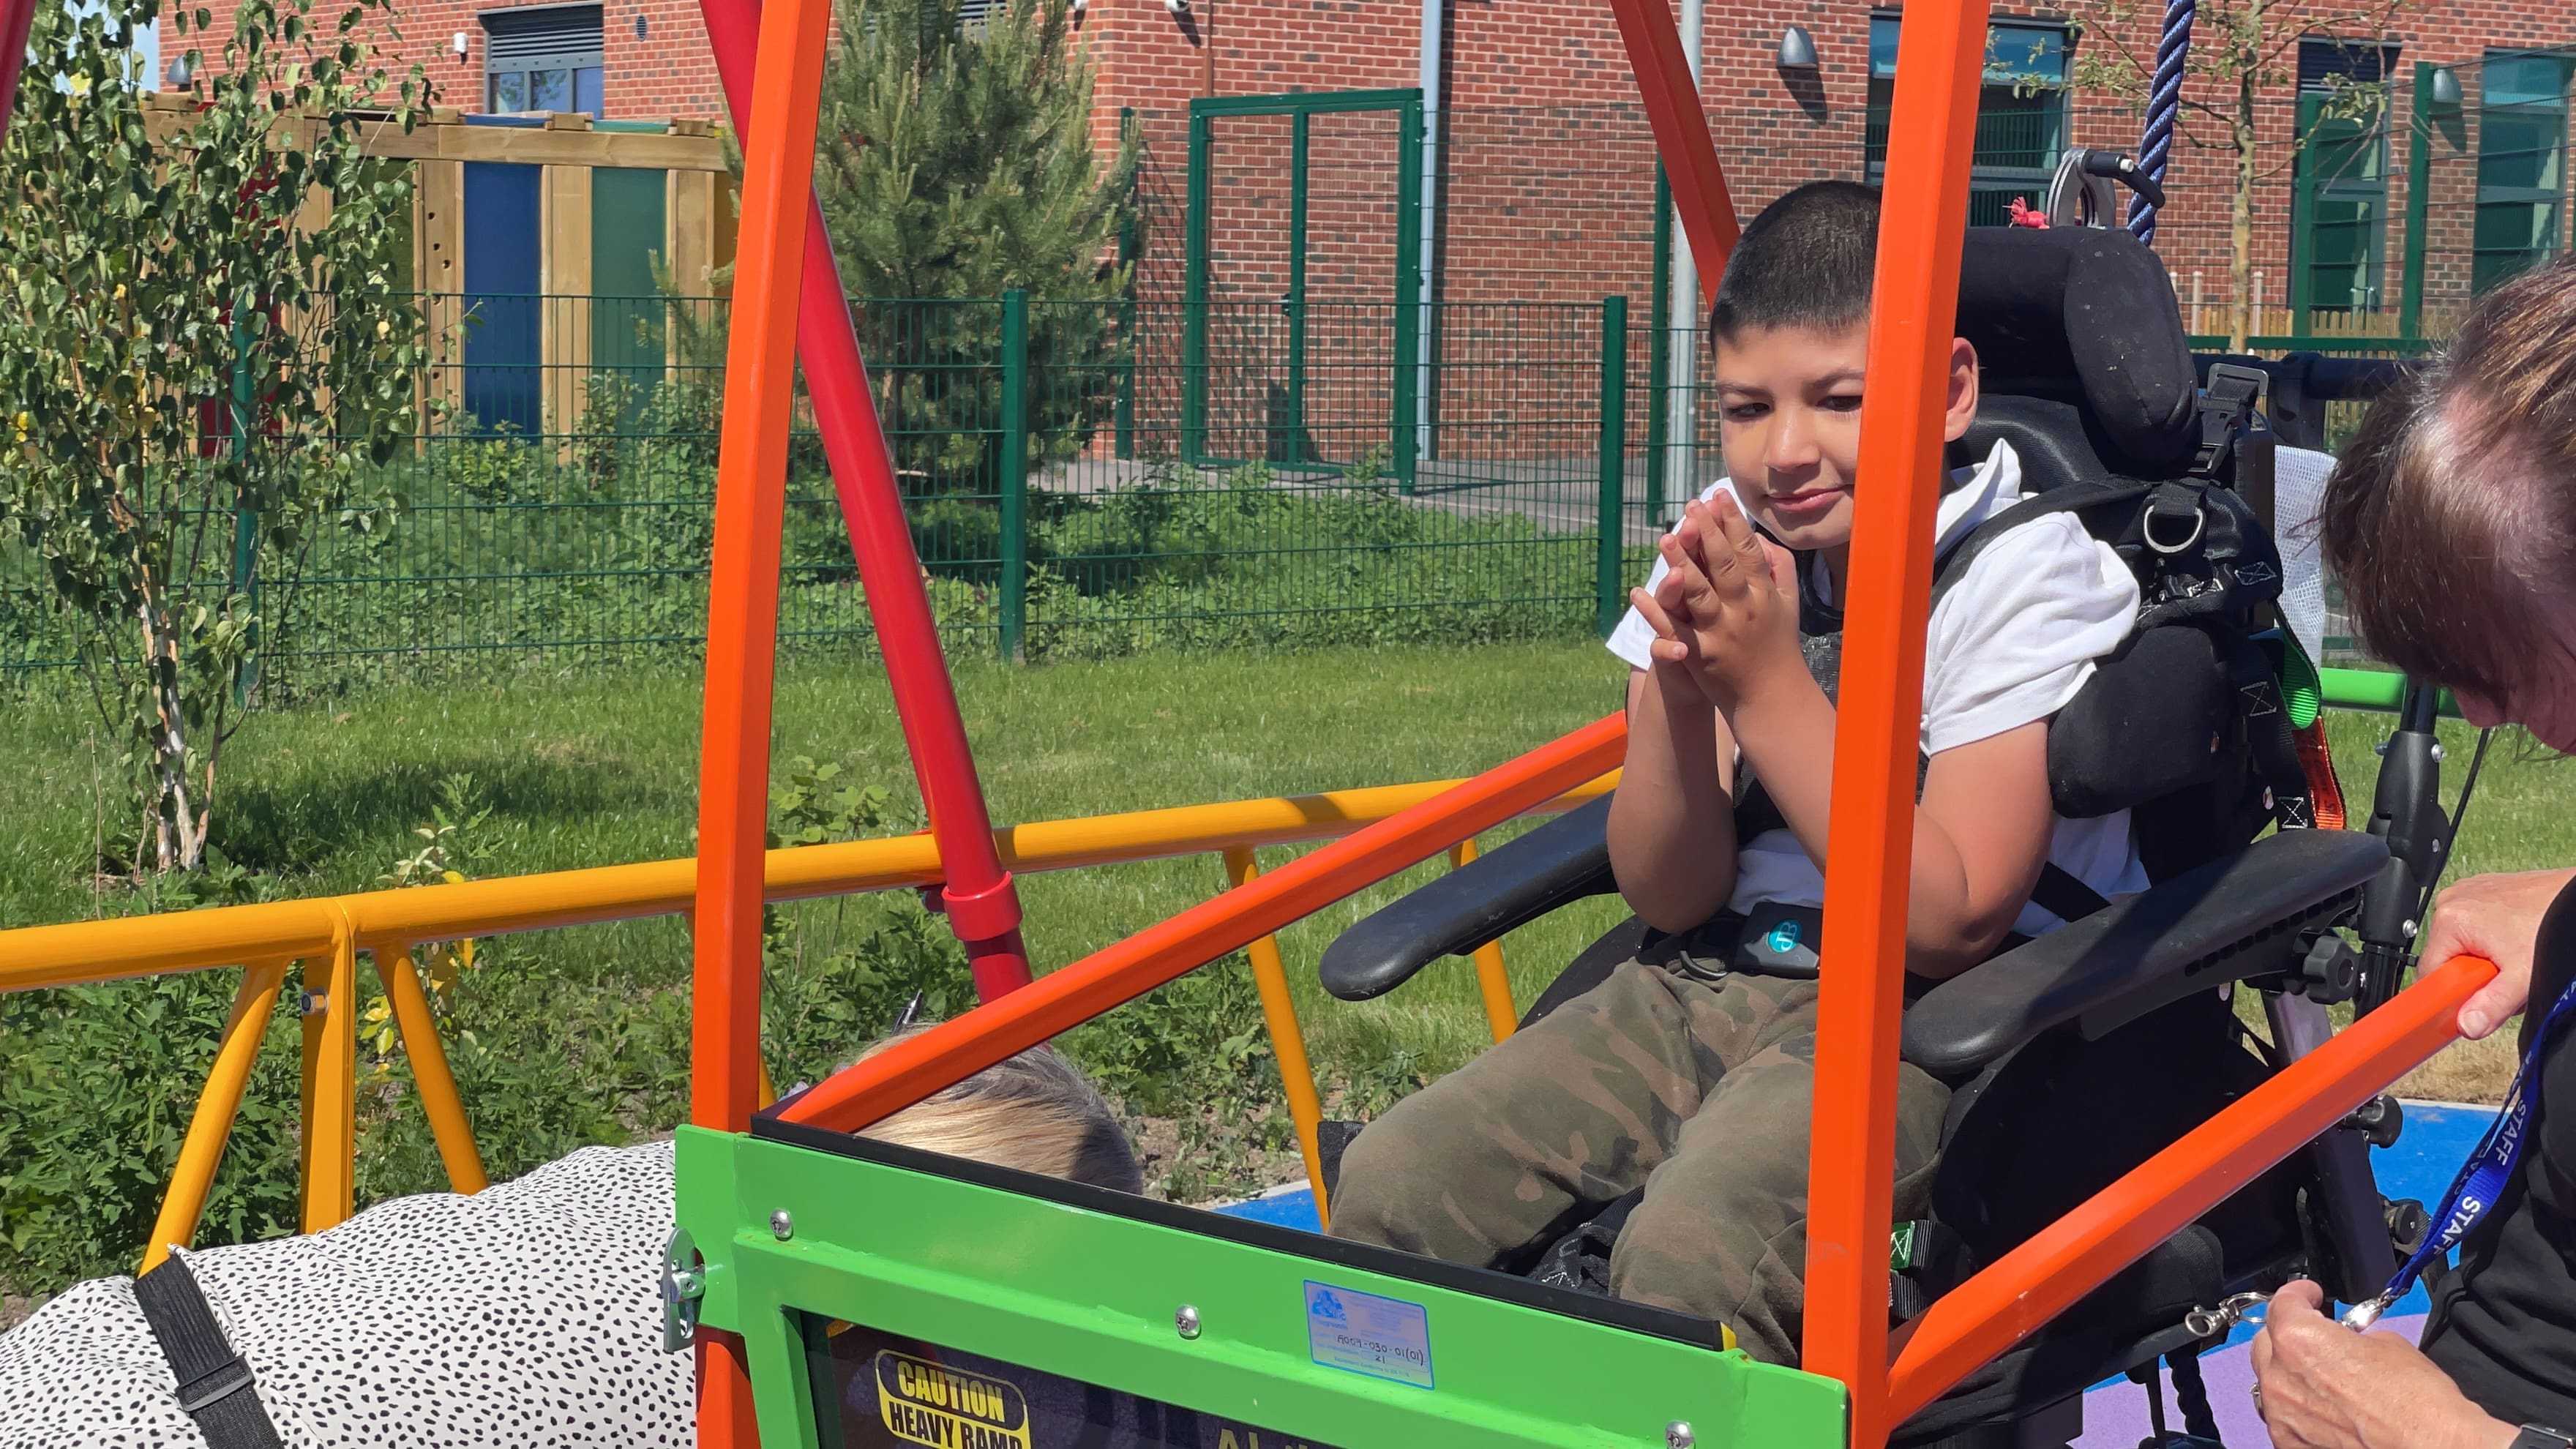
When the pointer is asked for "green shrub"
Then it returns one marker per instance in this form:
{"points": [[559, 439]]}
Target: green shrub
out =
{"points": [[96, 1087]]}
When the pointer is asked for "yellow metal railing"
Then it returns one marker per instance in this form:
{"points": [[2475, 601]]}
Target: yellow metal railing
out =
{"points": [[326, 935]]}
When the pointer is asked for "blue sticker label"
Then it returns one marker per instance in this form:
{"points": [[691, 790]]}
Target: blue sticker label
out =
{"points": [[1385, 1338], [1784, 938]]}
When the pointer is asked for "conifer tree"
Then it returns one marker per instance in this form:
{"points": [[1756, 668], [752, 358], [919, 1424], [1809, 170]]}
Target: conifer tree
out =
{"points": [[956, 162]]}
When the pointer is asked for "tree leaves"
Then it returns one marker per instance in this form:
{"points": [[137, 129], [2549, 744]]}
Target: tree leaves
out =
{"points": [[182, 348]]}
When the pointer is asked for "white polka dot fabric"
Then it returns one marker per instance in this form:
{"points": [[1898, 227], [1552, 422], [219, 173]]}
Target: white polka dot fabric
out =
{"points": [[526, 1315]]}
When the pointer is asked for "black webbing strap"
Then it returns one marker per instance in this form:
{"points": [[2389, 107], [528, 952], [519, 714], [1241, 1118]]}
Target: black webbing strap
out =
{"points": [[2268, 737], [2063, 894], [2191, 1394], [215, 1385], [1952, 564]]}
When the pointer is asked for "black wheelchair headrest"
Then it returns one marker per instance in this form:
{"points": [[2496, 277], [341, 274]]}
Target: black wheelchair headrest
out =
{"points": [[2085, 317]]}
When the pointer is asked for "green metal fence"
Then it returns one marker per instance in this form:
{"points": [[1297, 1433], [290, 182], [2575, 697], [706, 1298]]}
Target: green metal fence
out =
{"points": [[1354, 394], [1080, 478], [2377, 207]]}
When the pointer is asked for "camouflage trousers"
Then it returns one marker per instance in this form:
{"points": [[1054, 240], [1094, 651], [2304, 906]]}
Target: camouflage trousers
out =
{"points": [[1697, 1090]]}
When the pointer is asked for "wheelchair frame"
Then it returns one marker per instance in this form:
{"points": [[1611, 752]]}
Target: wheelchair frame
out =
{"points": [[794, 1227]]}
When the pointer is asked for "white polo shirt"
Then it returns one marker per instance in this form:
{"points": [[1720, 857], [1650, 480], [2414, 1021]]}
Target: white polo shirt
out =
{"points": [[2011, 642]]}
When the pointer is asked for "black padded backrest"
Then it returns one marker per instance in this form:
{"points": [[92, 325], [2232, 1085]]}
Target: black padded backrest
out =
{"points": [[2084, 317], [2058, 443]]}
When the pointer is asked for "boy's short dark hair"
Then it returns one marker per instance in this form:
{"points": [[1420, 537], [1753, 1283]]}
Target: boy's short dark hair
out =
{"points": [[1808, 261]]}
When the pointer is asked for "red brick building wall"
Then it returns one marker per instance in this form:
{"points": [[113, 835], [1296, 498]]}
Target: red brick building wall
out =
{"points": [[1549, 167], [665, 72], [1548, 188], [1547, 193]]}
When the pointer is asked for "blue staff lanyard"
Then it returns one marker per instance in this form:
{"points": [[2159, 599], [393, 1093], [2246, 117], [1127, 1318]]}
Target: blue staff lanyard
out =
{"points": [[2486, 1175]]}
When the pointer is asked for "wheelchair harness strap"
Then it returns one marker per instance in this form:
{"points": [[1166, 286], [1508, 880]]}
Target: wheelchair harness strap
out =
{"points": [[215, 1385], [2159, 510]]}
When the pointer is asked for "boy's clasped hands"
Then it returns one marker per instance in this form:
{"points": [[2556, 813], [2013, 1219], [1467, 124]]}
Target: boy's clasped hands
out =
{"points": [[1725, 613]]}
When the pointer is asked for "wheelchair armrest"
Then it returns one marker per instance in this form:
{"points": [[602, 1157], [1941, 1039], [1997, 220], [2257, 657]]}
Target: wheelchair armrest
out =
{"points": [[2229, 919], [1555, 865]]}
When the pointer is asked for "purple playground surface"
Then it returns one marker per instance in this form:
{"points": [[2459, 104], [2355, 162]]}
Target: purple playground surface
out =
{"points": [[2437, 1139]]}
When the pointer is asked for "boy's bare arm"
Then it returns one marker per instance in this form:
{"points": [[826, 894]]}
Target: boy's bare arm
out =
{"points": [[1981, 831], [1672, 820], [1980, 837]]}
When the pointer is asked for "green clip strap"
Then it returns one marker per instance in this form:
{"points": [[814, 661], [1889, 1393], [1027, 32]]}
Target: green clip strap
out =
{"points": [[2302, 690]]}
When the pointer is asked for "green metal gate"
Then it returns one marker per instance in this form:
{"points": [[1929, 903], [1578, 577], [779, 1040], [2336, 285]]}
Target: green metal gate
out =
{"points": [[1250, 388]]}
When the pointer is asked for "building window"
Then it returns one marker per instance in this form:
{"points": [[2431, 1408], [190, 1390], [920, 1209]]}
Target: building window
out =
{"points": [[2021, 112], [2341, 172], [2522, 162], [543, 58]]}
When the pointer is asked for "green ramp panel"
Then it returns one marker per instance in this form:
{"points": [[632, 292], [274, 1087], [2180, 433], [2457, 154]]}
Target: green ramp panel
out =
{"points": [[923, 1300]]}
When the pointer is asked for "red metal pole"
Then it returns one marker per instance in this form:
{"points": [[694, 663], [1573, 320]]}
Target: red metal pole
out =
{"points": [[16, 17], [1681, 131], [982, 902], [1868, 872]]}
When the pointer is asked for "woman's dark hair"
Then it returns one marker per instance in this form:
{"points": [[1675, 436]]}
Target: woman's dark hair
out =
{"points": [[2451, 517]]}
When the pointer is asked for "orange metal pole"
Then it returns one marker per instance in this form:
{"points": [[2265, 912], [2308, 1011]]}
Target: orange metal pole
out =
{"points": [[331, 1122], [1287, 1039], [2079, 1252], [223, 936], [309, 1022], [742, 610], [431, 1077], [1912, 321], [726, 1419], [742, 623], [211, 1125], [910, 1070]]}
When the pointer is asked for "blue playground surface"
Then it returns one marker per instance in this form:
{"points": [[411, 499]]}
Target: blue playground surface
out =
{"points": [[2437, 1139]]}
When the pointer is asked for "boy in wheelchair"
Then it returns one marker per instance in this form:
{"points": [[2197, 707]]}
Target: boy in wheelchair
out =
{"points": [[1673, 1084]]}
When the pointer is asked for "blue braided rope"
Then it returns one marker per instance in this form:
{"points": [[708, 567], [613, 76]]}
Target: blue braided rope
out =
{"points": [[2164, 103]]}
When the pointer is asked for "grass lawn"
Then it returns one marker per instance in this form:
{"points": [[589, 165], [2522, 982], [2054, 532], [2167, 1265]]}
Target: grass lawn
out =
{"points": [[592, 770], [580, 1035], [2523, 817], [565, 1037]]}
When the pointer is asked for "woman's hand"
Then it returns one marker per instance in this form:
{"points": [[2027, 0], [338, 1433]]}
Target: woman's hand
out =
{"points": [[1727, 607], [2497, 917], [2319, 1385]]}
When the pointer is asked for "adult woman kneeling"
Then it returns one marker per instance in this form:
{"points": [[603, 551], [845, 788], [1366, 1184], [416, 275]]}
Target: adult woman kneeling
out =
{"points": [[2451, 521]]}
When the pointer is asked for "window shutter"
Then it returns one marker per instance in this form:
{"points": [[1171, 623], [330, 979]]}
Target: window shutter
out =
{"points": [[547, 37]]}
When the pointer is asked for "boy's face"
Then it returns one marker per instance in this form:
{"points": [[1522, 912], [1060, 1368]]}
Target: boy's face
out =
{"points": [[1789, 421]]}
